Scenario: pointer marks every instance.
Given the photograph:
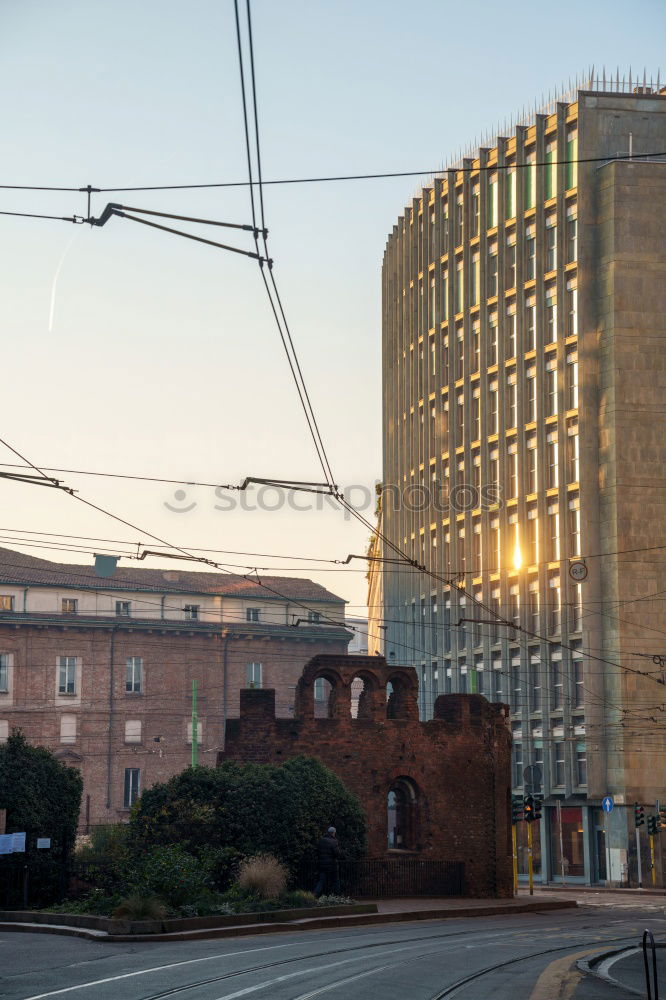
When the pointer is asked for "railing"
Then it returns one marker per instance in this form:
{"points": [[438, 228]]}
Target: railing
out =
{"points": [[378, 878]]}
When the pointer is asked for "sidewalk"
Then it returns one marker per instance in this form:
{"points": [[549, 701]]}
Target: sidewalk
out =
{"points": [[388, 911]]}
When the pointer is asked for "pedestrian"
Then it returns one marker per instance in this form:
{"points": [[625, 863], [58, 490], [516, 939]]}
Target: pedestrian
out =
{"points": [[328, 856]]}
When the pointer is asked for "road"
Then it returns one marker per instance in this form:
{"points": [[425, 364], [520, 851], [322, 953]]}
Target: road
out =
{"points": [[529, 956]]}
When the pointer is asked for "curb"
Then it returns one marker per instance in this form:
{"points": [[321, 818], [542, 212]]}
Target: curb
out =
{"points": [[314, 923]]}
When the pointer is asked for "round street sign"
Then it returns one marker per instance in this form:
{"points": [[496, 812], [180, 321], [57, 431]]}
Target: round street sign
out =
{"points": [[607, 803], [578, 571]]}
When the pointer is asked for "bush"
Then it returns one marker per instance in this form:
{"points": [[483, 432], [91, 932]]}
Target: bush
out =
{"points": [[139, 907], [333, 900], [108, 841], [171, 874], [263, 875], [298, 898]]}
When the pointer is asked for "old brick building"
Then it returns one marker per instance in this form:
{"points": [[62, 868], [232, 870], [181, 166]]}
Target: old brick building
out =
{"points": [[101, 670], [438, 789]]}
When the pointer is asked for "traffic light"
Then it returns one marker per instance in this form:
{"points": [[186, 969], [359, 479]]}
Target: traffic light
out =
{"points": [[652, 827], [538, 805], [639, 815], [528, 809], [516, 809]]}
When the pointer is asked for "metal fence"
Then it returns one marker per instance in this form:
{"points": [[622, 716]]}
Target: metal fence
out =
{"points": [[383, 878]]}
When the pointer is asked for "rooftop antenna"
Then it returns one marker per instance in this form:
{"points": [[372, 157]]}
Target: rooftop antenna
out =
{"points": [[603, 79], [630, 79], [592, 77]]}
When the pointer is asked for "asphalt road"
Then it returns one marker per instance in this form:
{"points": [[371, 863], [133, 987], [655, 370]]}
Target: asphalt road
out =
{"points": [[507, 958]]}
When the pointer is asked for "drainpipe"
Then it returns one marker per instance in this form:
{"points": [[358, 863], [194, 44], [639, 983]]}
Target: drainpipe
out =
{"points": [[162, 600], [25, 599], [109, 746], [225, 686]]}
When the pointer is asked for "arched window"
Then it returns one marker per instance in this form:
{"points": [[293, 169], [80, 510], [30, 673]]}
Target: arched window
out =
{"points": [[401, 815], [322, 698]]}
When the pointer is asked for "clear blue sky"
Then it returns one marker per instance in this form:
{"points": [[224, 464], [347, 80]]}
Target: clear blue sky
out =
{"points": [[159, 357]]}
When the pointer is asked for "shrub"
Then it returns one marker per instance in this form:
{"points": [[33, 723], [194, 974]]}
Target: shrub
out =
{"points": [[297, 898], [263, 875], [139, 907], [334, 900], [108, 841], [170, 873]]}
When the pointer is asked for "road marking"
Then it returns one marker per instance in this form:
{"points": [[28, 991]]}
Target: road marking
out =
{"points": [[343, 982], [604, 967], [558, 979], [158, 968]]}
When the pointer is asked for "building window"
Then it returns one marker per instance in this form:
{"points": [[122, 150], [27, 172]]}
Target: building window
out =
{"points": [[510, 333], [553, 522], [581, 764], [572, 452], [557, 679], [531, 470], [572, 380], [576, 608], [445, 294], [510, 261], [574, 525], [67, 675], [530, 396], [476, 472], [6, 602], [572, 309], [530, 323], [495, 552], [68, 729], [493, 412], [517, 755], [530, 253], [551, 387], [511, 401], [498, 679], [401, 808], [314, 617], [475, 204], [476, 548], [516, 685], [550, 171], [493, 472], [433, 301], [532, 536], [529, 176], [512, 469], [123, 609], [558, 764], [491, 209], [254, 673], [533, 597], [476, 414], [551, 243], [552, 460], [555, 602], [535, 681], [510, 192], [474, 280], [459, 218], [69, 605], [551, 315], [492, 270], [572, 234], [514, 604], [571, 179], [493, 339], [476, 345], [252, 614], [133, 731], [459, 289], [577, 669], [134, 675], [132, 786], [4, 673], [460, 419]]}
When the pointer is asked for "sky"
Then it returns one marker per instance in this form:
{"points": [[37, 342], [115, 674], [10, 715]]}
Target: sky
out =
{"points": [[128, 350]]}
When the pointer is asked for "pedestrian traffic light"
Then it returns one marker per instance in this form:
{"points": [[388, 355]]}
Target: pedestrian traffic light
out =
{"points": [[538, 805], [639, 815], [528, 809], [516, 809]]}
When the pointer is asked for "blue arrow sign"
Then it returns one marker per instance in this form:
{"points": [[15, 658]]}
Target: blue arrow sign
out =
{"points": [[607, 804]]}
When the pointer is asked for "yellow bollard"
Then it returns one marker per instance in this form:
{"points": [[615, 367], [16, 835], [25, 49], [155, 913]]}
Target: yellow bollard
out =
{"points": [[530, 868], [514, 844]]}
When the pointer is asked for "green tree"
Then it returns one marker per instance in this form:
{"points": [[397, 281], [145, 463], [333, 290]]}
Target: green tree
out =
{"points": [[252, 809], [42, 797]]}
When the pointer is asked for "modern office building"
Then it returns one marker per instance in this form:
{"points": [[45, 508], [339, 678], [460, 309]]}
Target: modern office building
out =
{"points": [[524, 423]]}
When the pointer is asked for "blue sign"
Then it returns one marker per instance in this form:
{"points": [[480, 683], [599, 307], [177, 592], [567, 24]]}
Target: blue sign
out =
{"points": [[607, 804]]}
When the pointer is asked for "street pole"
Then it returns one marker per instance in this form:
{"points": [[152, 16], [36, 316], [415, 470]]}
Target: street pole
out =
{"points": [[652, 865], [638, 858], [607, 847], [195, 726], [530, 868], [514, 844], [559, 825]]}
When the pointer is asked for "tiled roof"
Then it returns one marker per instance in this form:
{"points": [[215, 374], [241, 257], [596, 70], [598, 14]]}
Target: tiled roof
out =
{"points": [[24, 570]]}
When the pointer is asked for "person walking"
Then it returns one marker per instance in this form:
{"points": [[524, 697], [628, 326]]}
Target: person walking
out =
{"points": [[328, 856]]}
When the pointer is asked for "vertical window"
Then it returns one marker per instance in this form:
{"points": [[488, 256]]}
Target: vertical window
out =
{"points": [[574, 525], [495, 604], [572, 452], [460, 351], [572, 159], [4, 672], [550, 332], [476, 346], [552, 477], [252, 614], [134, 675], [475, 278], [433, 626], [445, 359], [433, 301], [460, 419], [445, 225], [532, 535], [553, 522], [70, 606], [514, 604], [492, 269], [516, 685], [530, 395], [531, 454], [446, 626], [68, 729], [558, 764], [476, 547], [493, 414], [572, 380], [533, 596], [498, 686], [254, 672], [555, 601], [514, 554], [475, 200], [551, 387], [123, 609], [461, 548], [530, 323], [459, 289], [512, 469], [511, 400], [493, 470], [191, 612], [530, 252], [445, 293], [577, 670], [67, 675], [493, 339], [132, 786], [535, 680], [517, 758], [550, 171], [476, 473], [572, 234], [511, 329], [476, 413], [510, 260], [581, 764], [557, 679], [6, 602], [572, 308], [491, 211], [433, 236], [551, 243], [510, 192], [529, 175], [459, 218], [478, 670], [495, 554], [576, 608], [133, 731], [433, 356]]}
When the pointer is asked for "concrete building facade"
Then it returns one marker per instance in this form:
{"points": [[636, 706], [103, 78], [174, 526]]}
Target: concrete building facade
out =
{"points": [[524, 377], [101, 671]]}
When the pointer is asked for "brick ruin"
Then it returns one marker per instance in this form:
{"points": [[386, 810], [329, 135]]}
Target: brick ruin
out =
{"points": [[439, 789]]}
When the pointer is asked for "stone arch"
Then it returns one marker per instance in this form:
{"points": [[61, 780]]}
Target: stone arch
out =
{"points": [[401, 690], [402, 814], [364, 691]]}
